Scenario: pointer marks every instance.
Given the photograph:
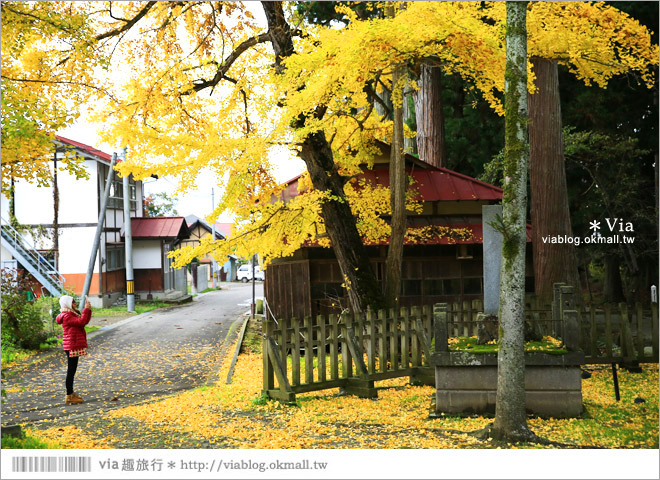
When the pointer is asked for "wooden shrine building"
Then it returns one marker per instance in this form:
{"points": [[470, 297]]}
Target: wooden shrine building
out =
{"points": [[438, 270]]}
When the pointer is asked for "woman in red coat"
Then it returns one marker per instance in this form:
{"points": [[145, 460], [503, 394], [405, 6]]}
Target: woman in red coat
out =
{"points": [[74, 340]]}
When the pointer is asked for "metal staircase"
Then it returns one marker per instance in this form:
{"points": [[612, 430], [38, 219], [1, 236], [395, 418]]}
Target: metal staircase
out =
{"points": [[28, 256]]}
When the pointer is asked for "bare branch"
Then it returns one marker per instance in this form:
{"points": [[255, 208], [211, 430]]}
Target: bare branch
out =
{"points": [[224, 67], [128, 24]]}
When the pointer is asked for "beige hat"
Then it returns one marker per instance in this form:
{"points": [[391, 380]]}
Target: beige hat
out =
{"points": [[66, 301]]}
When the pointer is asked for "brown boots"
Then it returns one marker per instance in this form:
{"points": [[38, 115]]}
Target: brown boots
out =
{"points": [[73, 399]]}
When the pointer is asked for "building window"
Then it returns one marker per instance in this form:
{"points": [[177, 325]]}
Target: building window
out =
{"points": [[451, 287], [411, 288], [433, 287], [115, 258], [472, 286], [116, 199]]}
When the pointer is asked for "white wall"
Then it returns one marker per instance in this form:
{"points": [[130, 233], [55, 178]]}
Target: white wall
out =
{"points": [[33, 204], [78, 198], [5, 255], [4, 207], [147, 254], [75, 250]]}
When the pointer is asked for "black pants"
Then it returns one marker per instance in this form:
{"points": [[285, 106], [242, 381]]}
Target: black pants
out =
{"points": [[71, 368]]}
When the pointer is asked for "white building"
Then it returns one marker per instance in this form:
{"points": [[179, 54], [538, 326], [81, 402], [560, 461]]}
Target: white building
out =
{"points": [[74, 220]]}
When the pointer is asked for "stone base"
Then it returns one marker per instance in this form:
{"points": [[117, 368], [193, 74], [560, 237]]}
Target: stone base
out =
{"points": [[551, 390]]}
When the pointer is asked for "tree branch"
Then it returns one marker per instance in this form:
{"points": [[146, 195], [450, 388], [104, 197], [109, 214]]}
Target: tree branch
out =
{"points": [[128, 24], [224, 67]]}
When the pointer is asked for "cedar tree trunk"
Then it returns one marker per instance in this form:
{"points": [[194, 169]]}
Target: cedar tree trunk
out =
{"points": [[430, 117], [553, 262], [397, 205]]}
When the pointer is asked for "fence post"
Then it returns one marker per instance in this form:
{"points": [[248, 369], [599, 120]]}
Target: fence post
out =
{"points": [[556, 309], [571, 326], [334, 350], [371, 344], [346, 357], [654, 329], [321, 348], [382, 325], [440, 327], [405, 336], [295, 352], [309, 351], [268, 374], [567, 302], [362, 386], [354, 347], [640, 331], [628, 348]]}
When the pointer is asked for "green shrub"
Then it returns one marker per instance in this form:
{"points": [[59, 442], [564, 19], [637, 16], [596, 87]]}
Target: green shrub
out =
{"points": [[21, 318], [25, 442]]}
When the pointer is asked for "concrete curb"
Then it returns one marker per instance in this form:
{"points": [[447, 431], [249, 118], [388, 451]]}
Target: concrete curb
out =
{"points": [[234, 331], [241, 336]]}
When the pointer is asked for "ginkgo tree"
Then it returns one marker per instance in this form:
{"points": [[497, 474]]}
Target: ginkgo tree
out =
{"points": [[307, 87], [48, 62]]}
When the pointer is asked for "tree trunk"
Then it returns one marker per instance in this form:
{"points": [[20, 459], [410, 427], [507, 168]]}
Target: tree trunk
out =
{"points": [[12, 203], [510, 417], [409, 144], [397, 205], [613, 288], [553, 262], [359, 277], [430, 117]]}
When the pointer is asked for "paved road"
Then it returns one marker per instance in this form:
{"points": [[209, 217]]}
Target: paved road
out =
{"points": [[153, 354]]}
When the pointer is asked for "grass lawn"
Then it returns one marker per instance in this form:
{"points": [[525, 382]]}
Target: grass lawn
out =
{"points": [[140, 307]]}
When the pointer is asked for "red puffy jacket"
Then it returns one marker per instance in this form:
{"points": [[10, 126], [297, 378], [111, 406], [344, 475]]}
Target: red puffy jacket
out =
{"points": [[74, 336]]}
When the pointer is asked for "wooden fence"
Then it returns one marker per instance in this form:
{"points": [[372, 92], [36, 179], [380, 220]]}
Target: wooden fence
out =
{"points": [[615, 333], [350, 352], [611, 333]]}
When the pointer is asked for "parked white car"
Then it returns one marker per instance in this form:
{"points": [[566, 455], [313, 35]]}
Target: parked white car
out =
{"points": [[244, 273]]}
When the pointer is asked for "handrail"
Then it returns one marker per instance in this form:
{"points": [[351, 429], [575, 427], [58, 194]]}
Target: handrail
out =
{"points": [[29, 251]]}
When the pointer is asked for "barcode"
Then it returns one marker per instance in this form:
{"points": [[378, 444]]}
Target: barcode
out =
{"points": [[51, 464]]}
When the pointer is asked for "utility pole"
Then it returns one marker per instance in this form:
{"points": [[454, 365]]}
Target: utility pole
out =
{"points": [[254, 300], [128, 242], [99, 230], [213, 263]]}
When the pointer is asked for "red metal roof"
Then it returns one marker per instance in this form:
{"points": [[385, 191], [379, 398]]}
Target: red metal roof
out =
{"points": [[159, 227], [435, 184], [87, 148], [440, 184]]}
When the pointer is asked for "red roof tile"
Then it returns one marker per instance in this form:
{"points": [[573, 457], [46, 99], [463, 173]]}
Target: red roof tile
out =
{"points": [[159, 227], [89, 149]]}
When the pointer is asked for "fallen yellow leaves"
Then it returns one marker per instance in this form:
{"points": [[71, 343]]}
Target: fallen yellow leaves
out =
{"points": [[236, 416]]}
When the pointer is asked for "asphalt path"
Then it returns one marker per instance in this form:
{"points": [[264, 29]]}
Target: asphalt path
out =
{"points": [[150, 355]]}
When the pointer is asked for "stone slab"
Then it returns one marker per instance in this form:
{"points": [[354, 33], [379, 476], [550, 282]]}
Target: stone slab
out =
{"points": [[492, 245]]}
